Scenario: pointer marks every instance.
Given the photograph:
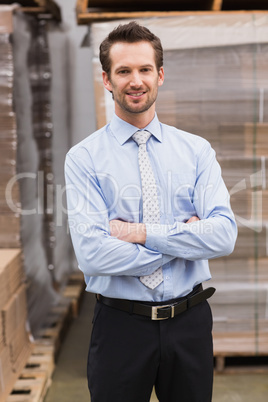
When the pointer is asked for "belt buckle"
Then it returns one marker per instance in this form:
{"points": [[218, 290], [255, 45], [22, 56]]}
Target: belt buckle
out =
{"points": [[155, 309]]}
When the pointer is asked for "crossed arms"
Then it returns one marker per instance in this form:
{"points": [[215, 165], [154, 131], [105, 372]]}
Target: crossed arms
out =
{"points": [[111, 247], [133, 232]]}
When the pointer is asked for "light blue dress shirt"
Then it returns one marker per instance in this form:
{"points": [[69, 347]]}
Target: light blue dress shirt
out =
{"points": [[103, 183]]}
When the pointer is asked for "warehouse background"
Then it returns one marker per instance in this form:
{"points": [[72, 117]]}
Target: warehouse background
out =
{"points": [[51, 97]]}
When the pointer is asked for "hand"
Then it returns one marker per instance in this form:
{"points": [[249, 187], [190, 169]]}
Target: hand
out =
{"points": [[133, 232], [130, 232], [193, 219]]}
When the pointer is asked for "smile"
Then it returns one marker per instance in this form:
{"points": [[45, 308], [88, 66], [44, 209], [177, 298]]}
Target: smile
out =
{"points": [[136, 94]]}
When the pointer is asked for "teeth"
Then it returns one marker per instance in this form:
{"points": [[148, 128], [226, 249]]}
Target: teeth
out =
{"points": [[138, 94]]}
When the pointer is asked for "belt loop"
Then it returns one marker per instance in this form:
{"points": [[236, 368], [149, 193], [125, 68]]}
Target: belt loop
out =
{"points": [[188, 302]]}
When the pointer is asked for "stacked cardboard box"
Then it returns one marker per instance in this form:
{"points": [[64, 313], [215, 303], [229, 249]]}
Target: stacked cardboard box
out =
{"points": [[15, 343], [14, 336], [228, 111], [7, 376], [9, 220], [9, 190], [27, 184], [14, 315], [216, 86]]}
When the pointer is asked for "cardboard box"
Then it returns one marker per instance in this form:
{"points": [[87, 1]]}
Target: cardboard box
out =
{"points": [[10, 201], [234, 270], [2, 344], [231, 139], [8, 152], [243, 170], [10, 231], [256, 139], [17, 343], [11, 273], [10, 372], [251, 240], [14, 314], [250, 205], [8, 125], [7, 375], [6, 19], [222, 325], [4, 284]]}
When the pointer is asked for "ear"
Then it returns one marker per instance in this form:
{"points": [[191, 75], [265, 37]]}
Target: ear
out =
{"points": [[106, 81], [161, 76]]}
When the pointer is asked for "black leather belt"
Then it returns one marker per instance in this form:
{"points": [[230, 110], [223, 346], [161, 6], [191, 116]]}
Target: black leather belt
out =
{"points": [[159, 311]]}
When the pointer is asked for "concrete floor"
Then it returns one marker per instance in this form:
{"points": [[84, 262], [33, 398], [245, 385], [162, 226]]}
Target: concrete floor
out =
{"points": [[69, 380]]}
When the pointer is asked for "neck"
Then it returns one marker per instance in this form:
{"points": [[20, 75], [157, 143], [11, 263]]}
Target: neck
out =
{"points": [[139, 120]]}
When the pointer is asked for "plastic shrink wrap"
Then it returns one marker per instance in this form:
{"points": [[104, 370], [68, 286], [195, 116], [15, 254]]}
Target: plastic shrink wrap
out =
{"points": [[14, 335], [32, 211], [216, 86], [33, 231]]}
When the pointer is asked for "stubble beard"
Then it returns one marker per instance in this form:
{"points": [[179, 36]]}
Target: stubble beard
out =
{"points": [[129, 108]]}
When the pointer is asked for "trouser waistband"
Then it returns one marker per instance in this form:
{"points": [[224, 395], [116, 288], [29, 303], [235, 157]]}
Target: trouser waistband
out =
{"points": [[159, 311]]}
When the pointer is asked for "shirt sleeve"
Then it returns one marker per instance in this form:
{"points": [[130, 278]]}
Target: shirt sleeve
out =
{"points": [[97, 252], [214, 235]]}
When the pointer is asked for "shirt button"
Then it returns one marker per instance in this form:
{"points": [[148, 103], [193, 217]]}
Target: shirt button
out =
{"points": [[167, 278]]}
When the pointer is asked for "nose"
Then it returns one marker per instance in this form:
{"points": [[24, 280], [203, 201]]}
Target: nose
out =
{"points": [[135, 79]]}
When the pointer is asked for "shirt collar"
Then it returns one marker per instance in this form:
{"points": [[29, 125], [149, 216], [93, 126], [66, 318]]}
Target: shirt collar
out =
{"points": [[123, 130]]}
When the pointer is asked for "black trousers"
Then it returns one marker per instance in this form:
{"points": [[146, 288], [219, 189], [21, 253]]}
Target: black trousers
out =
{"points": [[129, 354]]}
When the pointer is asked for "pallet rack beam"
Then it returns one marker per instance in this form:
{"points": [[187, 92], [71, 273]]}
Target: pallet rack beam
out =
{"points": [[216, 5], [49, 8], [87, 12]]}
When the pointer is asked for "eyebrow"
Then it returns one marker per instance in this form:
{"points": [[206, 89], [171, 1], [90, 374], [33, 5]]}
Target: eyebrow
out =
{"points": [[126, 67], [121, 67]]}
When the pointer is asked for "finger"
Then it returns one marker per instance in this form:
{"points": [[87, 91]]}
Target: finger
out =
{"points": [[193, 219]]}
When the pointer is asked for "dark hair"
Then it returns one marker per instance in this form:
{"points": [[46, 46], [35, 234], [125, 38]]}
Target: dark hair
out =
{"points": [[129, 33]]}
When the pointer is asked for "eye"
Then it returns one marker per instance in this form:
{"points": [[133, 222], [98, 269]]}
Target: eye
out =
{"points": [[122, 72]]}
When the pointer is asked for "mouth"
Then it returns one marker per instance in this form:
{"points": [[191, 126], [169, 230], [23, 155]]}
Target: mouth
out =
{"points": [[135, 94]]}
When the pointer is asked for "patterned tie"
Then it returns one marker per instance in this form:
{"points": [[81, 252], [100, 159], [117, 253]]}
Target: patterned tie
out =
{"points": [[151, 212]]}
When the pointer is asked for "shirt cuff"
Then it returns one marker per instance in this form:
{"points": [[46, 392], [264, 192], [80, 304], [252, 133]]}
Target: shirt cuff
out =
{"points": [[156, 237]]}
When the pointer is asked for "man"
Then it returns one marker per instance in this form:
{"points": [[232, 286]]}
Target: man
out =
{"points": [[147, 209]]}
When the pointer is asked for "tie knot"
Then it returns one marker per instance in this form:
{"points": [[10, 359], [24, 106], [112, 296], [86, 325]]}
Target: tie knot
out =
{"points": [[141, 137]]}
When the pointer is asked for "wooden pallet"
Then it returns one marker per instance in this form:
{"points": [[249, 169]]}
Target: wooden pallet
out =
{"points": [[35, 378], [74, 290], [30, 389], [248, 351], [20, 363], [60, 316], [39, 363], [53, 330]]}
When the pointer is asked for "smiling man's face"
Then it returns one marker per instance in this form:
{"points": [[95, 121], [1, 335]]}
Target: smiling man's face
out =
{"points": [[133, 80]]}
